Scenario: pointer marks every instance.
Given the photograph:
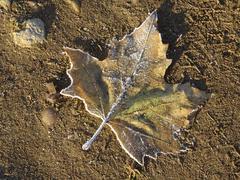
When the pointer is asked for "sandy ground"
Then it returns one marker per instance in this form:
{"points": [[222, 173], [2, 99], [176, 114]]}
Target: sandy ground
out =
{"points": [[204, 43]]}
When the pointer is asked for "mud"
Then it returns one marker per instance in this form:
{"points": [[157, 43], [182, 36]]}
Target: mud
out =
{"points": [[204, 43]]}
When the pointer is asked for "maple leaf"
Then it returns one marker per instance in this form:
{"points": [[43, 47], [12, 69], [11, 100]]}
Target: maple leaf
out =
{"points": [[128, 92]]}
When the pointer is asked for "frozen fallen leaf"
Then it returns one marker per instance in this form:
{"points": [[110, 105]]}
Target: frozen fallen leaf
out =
{"points": [[128, 92]]}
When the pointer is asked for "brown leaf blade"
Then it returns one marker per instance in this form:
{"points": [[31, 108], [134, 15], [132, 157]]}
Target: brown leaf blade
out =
{"points": [[127, 91], [152, 121], [86, 83]]}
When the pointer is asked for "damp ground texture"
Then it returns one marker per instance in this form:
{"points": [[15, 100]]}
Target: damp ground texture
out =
{"points": [[41, 132]]}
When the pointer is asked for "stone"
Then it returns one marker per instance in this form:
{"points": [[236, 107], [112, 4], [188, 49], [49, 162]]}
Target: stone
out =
{"points": [[33, 33], [75, 5], [48, 117], [51, 88], [5, 4]]}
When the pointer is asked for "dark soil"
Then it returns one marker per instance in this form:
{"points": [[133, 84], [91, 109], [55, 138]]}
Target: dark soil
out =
{"points": [[204, 39]]}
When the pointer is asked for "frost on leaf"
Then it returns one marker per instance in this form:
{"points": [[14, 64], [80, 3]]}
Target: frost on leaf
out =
{"points": [[128, 92]]}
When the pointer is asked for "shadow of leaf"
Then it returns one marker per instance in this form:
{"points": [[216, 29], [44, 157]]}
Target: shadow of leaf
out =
{"points": [[96, 48], [171, 26]]}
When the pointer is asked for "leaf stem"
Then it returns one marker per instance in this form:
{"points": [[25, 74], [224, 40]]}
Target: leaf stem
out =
{"points": [[88, 144]]}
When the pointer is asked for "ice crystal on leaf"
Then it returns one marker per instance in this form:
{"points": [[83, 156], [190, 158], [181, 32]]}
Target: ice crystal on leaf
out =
{"points": [[127, 91]]}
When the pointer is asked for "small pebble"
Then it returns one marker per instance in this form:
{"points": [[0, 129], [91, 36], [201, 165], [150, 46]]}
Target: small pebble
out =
{"points": [[74, 112], [48, 117], [33, 33], [51, 88], [75, 5], [85, 29], [5, 4], [34, 5], [52, 93], [134, 2]]}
